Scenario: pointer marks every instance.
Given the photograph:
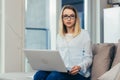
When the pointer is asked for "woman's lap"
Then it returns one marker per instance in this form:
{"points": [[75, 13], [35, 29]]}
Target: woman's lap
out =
{"points": [[54, 75], [41, 75]]}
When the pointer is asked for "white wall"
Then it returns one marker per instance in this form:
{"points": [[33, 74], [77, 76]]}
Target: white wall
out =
{"points": [[54, 8], [2, 37], [88, 16], [112, 25], [0, 29], [0, 14], [13, 32]]}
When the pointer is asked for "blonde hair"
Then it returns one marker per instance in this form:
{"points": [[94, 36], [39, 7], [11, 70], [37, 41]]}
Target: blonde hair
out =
{"points": [[62, 28]]}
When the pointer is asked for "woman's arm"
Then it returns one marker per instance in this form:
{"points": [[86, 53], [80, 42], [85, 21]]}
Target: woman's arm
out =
{"points": [[87, 53]]}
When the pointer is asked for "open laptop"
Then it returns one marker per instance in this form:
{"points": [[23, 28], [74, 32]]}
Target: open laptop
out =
{"points": [[46, 60]]}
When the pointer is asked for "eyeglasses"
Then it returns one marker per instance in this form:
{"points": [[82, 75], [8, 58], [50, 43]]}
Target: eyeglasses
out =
{"points": [[65, 17]]}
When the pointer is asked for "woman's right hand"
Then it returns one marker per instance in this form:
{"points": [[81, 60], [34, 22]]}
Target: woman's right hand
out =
{"points": [[75, 70]]}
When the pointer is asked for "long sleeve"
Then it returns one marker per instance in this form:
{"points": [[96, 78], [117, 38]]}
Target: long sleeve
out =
{"points": [[87, 58]]}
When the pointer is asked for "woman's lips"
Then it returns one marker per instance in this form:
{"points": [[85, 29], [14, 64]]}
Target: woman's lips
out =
{"points": [[68, 22]]}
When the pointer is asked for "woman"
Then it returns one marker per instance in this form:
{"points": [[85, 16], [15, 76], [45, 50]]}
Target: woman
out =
{"points": [[75, 49]]}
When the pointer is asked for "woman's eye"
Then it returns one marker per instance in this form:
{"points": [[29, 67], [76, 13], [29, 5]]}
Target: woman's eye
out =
{"points": [[65, 15], [72, 15]]}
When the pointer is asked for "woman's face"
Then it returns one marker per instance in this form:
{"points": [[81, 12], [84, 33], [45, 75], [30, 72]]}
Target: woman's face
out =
{"points": [[68, 18]]}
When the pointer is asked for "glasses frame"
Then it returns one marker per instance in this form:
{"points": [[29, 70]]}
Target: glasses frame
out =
{"points": [[66, 17]]}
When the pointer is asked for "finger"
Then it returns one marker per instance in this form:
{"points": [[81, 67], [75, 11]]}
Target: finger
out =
{"points": [[74, 72], [74, 68]]}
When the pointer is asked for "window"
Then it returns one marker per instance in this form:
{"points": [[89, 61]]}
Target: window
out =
{"points": [[41, 25]]}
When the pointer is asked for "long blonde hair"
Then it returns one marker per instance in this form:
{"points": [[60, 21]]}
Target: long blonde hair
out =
{"points": [[62, 28]]}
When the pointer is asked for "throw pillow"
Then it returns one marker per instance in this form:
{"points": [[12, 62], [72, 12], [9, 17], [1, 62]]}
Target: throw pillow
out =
{"points": [[102, 59]]}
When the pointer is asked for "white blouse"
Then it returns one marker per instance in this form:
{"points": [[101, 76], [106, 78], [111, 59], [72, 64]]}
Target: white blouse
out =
{"points": [[76, 51]]}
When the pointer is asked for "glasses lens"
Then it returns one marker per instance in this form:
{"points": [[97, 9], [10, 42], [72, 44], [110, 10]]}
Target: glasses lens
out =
{"points": [[65, 16], [72, 16]]}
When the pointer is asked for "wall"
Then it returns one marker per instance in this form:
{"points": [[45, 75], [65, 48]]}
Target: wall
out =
{"points": [[13, 35], [2, 38], [103, 5], [112, 25], [94, 19], [0, 13], [54, 9], [0, 29]]}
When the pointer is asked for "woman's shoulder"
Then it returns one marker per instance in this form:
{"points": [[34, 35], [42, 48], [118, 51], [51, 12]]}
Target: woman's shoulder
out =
{"points": [[84, 32], [59, 37]]}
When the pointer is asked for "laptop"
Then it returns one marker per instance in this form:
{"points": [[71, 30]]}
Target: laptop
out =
{"points": [[46, 60]]}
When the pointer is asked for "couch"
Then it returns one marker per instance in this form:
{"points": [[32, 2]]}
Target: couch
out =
{"points": [[106, 56]]}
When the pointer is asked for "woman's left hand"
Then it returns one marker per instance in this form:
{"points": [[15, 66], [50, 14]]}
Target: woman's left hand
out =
{"points": [[75, 70]]}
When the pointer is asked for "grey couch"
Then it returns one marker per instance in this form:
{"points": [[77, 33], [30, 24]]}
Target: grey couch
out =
{"points": [[106, 56]]}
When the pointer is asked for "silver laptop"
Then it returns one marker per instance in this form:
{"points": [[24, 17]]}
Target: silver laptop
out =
{"points": [[46, 60]]}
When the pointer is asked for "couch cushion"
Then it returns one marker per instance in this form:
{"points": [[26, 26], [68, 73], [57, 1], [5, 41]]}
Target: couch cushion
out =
{"points": [[118, 76], [117, 55], [102, 58], [112, 74]]}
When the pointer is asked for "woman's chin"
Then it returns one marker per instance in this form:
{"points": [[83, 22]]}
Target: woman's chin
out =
{"points": [[69, 26]]}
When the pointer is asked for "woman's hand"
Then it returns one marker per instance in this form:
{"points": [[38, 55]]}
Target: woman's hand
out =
{"points": [[75, 70]]}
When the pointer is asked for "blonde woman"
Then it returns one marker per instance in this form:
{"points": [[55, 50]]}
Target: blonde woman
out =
{"points": [[74, 46]]}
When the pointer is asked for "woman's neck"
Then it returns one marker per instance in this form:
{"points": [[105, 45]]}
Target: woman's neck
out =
{"points": [[70, 30]]}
